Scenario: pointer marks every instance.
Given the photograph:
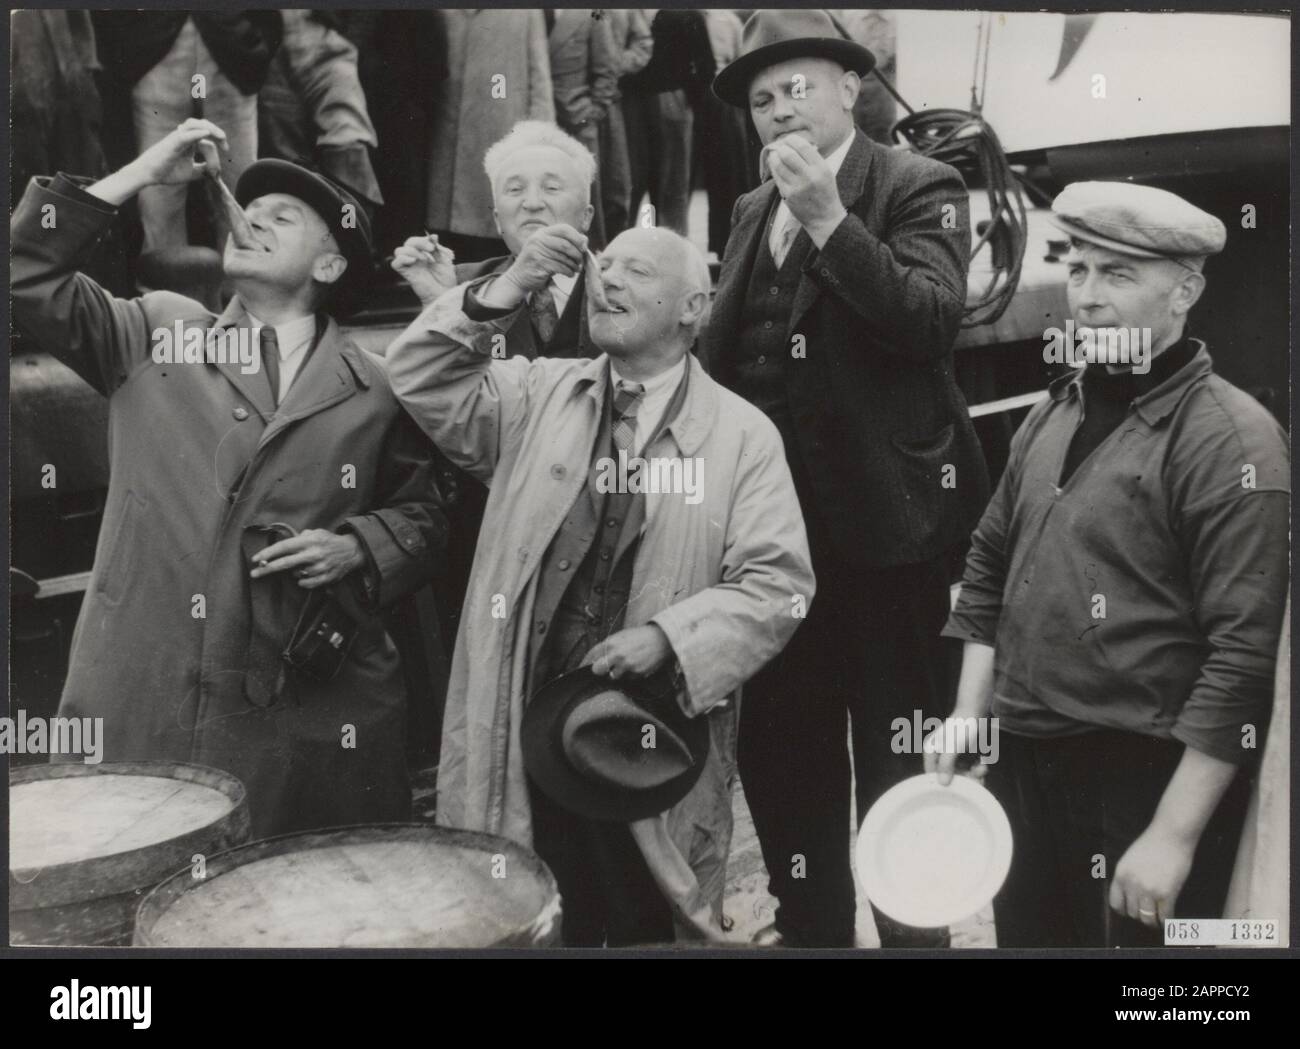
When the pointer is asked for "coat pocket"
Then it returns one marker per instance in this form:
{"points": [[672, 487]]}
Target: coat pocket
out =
{"points": [[928, 449], [120, 555], [925, 467]]}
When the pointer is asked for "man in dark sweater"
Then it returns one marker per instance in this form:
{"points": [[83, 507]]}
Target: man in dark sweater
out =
{"points": [[1123, 599]]}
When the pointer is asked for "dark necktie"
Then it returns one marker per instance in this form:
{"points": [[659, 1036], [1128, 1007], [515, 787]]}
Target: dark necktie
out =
{"points": [[627, 398], [549, 14], [541, 306], [271, 361]]}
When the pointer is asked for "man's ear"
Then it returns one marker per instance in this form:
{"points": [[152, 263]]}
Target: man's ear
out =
{"points": [[588, 213], [1186, 292], [328, 269], [850, 86], [693, 307], [496, 221]]}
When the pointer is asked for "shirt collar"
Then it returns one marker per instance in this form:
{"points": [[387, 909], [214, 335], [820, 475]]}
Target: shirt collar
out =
{"points": [[836, 160], [291, 335], [1155, 404], [664, 382], [564, 282]]}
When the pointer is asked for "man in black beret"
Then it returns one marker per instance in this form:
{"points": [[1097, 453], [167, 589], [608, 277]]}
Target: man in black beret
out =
{"points": [[841, 293], [264, 481]]}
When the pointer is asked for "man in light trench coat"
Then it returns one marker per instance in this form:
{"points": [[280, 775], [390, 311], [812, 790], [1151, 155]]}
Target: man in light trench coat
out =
{"points": [[215, 447], [714, 580]]}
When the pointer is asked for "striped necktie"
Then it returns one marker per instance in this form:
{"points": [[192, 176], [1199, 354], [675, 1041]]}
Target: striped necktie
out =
{"points": [[627, 397], [541, 305]]}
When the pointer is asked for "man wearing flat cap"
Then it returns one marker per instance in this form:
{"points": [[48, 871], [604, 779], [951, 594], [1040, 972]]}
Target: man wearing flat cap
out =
{"points": [[1123, 598], [841, 293], [266, 487]]}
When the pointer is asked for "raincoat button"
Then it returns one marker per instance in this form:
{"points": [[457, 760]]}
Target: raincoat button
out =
{"points": [[240, 413]]}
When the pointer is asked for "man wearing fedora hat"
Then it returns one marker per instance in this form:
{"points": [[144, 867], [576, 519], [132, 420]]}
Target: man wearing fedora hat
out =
{"points": [[1123, 598], [840, 296], [249, 491], [650, 602]]}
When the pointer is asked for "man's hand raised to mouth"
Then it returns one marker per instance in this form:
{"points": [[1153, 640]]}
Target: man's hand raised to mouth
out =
{"points": [[551, 250], [169, 161], [807, 185]]}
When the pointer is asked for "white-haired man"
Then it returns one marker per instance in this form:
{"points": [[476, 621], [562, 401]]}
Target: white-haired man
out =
{"points": [[541, 181], [707, 583], [541, 191]]}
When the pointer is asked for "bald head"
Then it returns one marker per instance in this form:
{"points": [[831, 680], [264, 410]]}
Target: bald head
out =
{"points": [[658, 284], [677, 255]]}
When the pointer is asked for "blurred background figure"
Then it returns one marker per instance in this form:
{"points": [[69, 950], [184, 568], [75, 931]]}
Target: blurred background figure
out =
{"points": [[402, 63], [312, 109], [726, 159], [499, 72], [659, 105], [179, 64], [55, 112], [633, 45], [876, 111], [584, 76]]}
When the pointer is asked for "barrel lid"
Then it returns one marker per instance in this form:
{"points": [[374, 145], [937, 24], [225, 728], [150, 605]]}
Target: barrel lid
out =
{"points": [[79, 832], [379, 885]]}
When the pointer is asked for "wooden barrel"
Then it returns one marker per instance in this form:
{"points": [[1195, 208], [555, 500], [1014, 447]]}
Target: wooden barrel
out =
{"points": [[385, 885], [87, 841]]}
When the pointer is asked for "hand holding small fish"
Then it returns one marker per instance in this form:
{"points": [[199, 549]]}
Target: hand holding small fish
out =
{"points": [[426, 265], [807, 185], [171, 160]]}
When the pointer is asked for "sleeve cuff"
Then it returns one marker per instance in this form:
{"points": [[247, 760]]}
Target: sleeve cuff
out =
{"points": [[72, 187], [965, 627], [1224, 748], [475, 309]]}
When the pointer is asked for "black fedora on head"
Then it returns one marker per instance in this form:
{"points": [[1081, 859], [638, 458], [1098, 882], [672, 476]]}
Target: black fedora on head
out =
{"points": [[587, 743], [345, 216], [776, 36]]}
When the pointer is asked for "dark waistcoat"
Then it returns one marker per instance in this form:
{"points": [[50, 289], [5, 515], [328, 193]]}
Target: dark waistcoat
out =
{"points": [[763, 350], [586, 573]]}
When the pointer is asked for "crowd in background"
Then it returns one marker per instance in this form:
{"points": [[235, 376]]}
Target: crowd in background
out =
{"points": [[400, 106]]}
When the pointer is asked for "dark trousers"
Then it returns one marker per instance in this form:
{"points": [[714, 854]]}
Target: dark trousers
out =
{"points": [[607, 892], [659, 132], [1073, 800], [869, 651]]}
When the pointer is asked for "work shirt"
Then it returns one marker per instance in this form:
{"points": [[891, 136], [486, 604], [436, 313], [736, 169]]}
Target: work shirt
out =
{"points": [[1146, 592]]}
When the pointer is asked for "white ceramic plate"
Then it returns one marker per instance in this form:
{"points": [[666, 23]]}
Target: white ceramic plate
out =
{"points": [[929, 855]]}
